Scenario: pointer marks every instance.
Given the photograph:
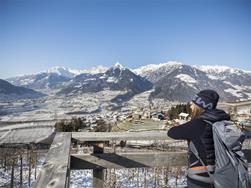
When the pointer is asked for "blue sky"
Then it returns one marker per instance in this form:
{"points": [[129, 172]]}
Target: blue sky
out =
{"points": [[38, 34]]}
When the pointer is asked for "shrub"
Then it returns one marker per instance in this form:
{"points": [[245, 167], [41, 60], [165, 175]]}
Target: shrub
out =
{"points": [[72, 125], [102, 126]]}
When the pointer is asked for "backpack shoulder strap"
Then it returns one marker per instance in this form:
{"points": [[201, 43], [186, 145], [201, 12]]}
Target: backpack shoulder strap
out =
{"points": [[194, 175], [195, 152], [209, 122]]}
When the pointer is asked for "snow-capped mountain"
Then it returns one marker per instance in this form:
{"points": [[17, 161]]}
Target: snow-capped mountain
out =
{"points": [[233, 75], [40, 81], [154, 72], [9, 92], [53, 78], [62, 71], [115, 78], [172, 80], [179, 82]]}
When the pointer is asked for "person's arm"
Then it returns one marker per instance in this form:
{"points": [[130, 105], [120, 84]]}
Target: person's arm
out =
{"points": [[189, 130]]}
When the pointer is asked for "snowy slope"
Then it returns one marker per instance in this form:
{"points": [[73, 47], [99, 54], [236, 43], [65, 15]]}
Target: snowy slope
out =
{"points": [[177, 81], [117, 78], [9, 92], [53, 78]]}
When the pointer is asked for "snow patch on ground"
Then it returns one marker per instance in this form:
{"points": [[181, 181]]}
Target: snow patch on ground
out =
{"points": [[186, 78], [130, 178], [234, 92], [112, 80], [213, 77]]}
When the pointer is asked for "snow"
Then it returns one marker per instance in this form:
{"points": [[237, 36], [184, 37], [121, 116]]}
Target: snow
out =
{"points": [[5, 176], [27, 81], [62, 71], [217, 69], [96, 70], [104, 76], [213, 77], [238, 91], [58, 107], [74, 72], [234, 92], [118, 66], [112, 80], [154, 67], [186, 78], [90, 79], [130, 178]]}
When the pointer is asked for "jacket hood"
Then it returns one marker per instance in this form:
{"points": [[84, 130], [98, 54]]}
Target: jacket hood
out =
{"points": [[215, 115]]}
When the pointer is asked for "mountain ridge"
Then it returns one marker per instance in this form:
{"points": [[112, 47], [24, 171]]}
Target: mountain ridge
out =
{"points": [[10, 92], [172, 80]]}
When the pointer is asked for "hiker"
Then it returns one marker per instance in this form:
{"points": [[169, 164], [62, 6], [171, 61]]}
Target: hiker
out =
{"points": [[199, 132]]}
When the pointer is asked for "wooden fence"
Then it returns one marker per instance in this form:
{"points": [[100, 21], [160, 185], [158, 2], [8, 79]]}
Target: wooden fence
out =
{"points": [[56, 169]]}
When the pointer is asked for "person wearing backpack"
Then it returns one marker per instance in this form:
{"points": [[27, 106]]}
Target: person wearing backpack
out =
{"points": [[198, 132]]}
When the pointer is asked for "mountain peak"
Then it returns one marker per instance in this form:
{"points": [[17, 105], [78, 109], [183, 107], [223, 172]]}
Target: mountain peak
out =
{"points": [[118, 66], [62, 71], [56, 69]]}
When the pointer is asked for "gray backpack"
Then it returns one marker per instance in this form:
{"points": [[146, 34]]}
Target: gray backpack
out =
{"points": [[230, 170]]}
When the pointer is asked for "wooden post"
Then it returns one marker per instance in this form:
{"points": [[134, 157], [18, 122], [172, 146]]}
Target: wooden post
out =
{"points": [[55, 171], [98, 174]]}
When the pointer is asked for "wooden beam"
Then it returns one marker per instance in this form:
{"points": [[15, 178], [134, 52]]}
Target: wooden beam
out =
{"points": [[127, 160], [107, 136], [56, 169], [98, 174], [132, 160]]}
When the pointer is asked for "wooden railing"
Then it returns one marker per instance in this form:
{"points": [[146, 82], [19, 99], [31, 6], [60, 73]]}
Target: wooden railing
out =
{"points": [[56, 169]]}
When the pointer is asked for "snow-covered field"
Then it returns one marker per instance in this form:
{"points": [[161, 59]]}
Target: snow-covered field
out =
{"points": [[58, 107], [55, 107]]}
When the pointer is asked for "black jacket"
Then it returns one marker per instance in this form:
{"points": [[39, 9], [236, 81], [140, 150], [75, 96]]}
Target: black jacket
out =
{"points": [[200, 133]]}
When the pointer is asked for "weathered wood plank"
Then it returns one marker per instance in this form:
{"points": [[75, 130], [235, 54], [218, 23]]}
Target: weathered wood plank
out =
{"points": [[31, 135], [132, 160], [106, 136], [56, 169], [127, 160], [98, 174]]}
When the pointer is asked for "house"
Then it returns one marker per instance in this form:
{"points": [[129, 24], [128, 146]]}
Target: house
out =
{"points": [[137, 115], [146, 114], [157, 116], [183, 116]]}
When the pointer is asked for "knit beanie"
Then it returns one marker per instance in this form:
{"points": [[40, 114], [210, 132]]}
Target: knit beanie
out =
{"points": [[206, 99]]}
